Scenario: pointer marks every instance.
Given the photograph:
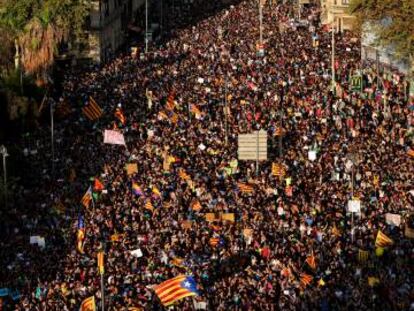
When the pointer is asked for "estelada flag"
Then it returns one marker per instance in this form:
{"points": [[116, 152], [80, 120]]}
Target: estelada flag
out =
{"points": [[98, 186], [245, 188], [175, 289], [382, 240], [80, 237], [87, 198], [305, 279], [92, 110], [120, 116], [88, 304]]}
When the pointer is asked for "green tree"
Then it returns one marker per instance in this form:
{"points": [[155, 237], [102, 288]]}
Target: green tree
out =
{"points": [[38, 26], [390, 20]]}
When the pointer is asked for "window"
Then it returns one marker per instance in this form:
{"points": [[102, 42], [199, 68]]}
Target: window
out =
{"points": [[345, 2]]}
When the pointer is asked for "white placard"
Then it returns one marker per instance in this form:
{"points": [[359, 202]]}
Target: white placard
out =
{"points": [[113, 138], [312, 155], [354, 206], [393, 219], [137, 253], [200, 80]]}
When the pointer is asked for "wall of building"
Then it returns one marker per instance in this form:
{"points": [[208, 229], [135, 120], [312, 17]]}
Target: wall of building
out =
{"points": [[336, 12]]}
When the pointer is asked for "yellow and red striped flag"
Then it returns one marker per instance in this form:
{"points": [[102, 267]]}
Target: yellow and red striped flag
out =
{"points": [[382, 240], [245, 188], [162, 115], [311, 261], [156, 191], [88, 304], [92, 110], [183, 175], [278, 170], [410, 152], [170, 104], [87, 197], [196, 205], [194, 109], [148, 206], [305, 279], [100, 260], [175, 289], [214, 242], [120, 116]]}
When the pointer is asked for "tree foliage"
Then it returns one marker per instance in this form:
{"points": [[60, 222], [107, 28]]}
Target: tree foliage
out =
{"points": [[391, 20], [40, 25]]}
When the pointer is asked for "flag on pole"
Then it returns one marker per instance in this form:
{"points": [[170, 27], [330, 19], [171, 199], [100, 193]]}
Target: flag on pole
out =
{"points": [[382, 240], [137, 189], [194, 109], [87, 197], [80, 235], [100, 259], [175, 289], [311, 261], [88, 304], [98, 186], [92, 110], [305, 279], [363, 255], [120, 116], [113, 137], [245, 188]]}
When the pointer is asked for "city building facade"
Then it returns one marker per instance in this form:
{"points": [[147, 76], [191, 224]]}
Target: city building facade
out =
{"points": [[335, 13]]}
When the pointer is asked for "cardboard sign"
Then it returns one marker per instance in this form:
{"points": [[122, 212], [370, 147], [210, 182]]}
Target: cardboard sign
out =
{"points": [[186, 224], [354, 206], [210, 217], [228, 217], [393, 219], [137, 253], [131, 168]]}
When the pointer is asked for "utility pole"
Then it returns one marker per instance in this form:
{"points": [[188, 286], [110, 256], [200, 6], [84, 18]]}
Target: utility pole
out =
{"points": [[52, 136], [260, 22], [146, 26], [226, 110], [333, 57], [4, 153]]}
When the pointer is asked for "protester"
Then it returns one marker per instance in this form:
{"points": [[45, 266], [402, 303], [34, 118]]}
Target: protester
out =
{"points": [[223, 86]]}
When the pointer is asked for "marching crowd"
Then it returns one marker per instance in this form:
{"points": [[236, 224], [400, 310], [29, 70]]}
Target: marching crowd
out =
{"points": [[279, 238]]}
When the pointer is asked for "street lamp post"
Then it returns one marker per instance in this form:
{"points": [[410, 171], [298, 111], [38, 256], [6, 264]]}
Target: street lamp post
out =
{"points": [[333, 57], [260, 22], [146, 26], [52, 136], [4, 153]]}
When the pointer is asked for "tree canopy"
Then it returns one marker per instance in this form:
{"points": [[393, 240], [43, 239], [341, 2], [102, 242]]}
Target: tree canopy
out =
{"points": [[391, 21], [39, 25]]}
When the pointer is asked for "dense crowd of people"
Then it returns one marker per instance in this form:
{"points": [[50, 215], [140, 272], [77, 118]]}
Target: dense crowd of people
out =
{"points": [[187, 168]]}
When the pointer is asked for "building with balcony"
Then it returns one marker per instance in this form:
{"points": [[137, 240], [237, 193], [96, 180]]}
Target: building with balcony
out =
{"points": [[106, 28], [335, 12]]}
